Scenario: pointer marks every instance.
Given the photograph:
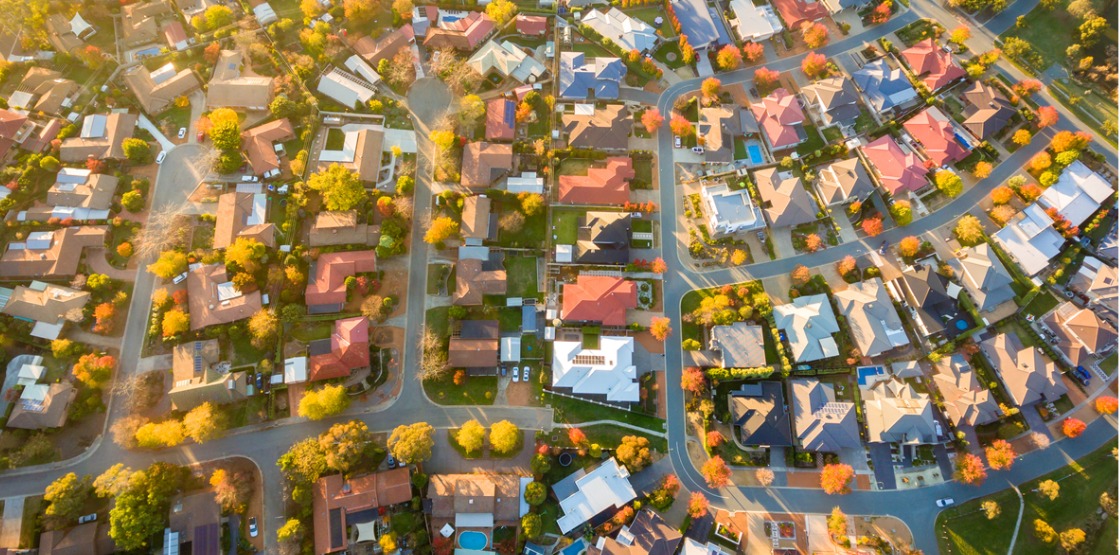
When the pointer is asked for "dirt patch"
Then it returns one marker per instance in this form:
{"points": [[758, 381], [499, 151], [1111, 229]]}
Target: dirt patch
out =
{"points": [[394, 283], [661, 380], [519, 394], [886, 527], [295, 393], [650, 344]]}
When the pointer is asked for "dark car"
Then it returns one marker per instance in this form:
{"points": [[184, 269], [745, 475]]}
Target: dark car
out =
{"points": [[391, 462], [260, 381], [1083, 375], [883, 248]]}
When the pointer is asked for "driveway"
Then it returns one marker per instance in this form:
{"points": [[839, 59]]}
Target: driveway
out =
{"points": [[12, 524], [941, 453], [147, 125], [782, 239], [883, 465]]}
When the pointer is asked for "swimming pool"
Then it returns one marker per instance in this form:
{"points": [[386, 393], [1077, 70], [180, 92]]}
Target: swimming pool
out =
{"points": [[576, 548], [864, 372], [754, 150], [473, 540]]}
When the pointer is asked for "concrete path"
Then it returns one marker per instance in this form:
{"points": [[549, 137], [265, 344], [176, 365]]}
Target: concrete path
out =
{"points": [[847, 232], [147, 125], [12, 524]]}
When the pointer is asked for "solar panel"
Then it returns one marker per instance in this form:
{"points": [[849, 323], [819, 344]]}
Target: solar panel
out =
{"points": [[509, 116], [590, 360]]}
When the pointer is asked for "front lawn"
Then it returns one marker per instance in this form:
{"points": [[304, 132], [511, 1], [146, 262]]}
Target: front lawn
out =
{"points": [[1109, 364], [664, 51], [813, 143], [476, 390], [565, 225], [1043, 302], [310, 331], [572, 411], [607, 435]]}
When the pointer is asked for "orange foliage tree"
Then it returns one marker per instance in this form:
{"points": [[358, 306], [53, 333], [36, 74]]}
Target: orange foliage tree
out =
{"points": [[1000, 455], [836, 479], [872, 226], [815, 35], [1073, 427], [1105, 404], [697, 505], [680, 126], [1047, 116], [729, 57], [652, 119], [659, 329], [814, 64], [753, 51], [909, 246], [692, 380], [970, 470], [716, 472]]}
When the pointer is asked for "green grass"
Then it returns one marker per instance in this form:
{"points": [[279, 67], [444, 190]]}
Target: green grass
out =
{"points": [[1092, 108], [591, 49], [832, 135], [477, 390], [310, 331], [245, 353], [663, 51], [643, 173], [813, 143], [176, 117], [918, 30], [573, 411], [1044, 302], [649, 14], [575, 166], [336, 139], [1109, 364], [436, 273], [29, 530], [608, 435], [521, 276], [436, 319], [642, 226], [565, 225], [509, 319], [964, 530]]}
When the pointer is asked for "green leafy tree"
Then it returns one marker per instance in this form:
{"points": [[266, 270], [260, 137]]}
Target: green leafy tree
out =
{"points": [[504, 437], [49, 164], [535, 493], [226, 135], [540, 465], [304, 462], [901, 212], [66, 497], [136, 150], [341, 188], [133, 201], [283, 107], [531, 525], [140, 511], [321, 403], [471, 436], [411, 443]]}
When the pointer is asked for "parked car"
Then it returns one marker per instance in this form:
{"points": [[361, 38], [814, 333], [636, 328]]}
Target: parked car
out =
{"points": [[698, 150], [182, 132], [179, 278], [945, 501], [260, 381], [250, 178], [516, 375], [677, 142], [503, 371], [525, 374], [883, 248], [201, 136], [162, 155], [87, 518], [391, 462], [1083, 375], [253, 527]]}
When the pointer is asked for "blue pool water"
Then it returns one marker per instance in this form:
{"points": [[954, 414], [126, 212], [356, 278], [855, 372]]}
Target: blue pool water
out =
{"points": [[755, 152], [864, 372], [472, 540], [576, 548], [962, 325]]}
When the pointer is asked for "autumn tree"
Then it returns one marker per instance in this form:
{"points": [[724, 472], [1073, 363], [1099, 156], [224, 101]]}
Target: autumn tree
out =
{"points": [[360, 12], [753, 51], [991, 509], [154, 435], [969, 230], [1000, 455], [729, 57], [765, 476], [902, 212], [175, 322], [813, 242], [697, 505], [535, 493], [321, 403], [680, 126], [872, 226], [633, 452], [1105, 404], [501, 11], [982, 170], [716, 472], [738, 257], [846, 265], [1072, 427], [709, 90], [1002, 214], [264, 327], [1071, 539], [231, 490], [909, 246], [411, 443], [442, 229], [658, 266], [472, 110], [765, 79], [1002, 195], [1066, 140], [94, 370], [814, 64], [970, 470], [505, 437], [204, 422], [693, 381], [345, 444], [836, 478], [837, 523], [948, 182], [659, 329], [113, 481], [960, 34], [169, 264], [800, 275], [652, 120], [1022, 137], [531, 525], [815, 35], [340, 188], [1049, 489], [1047, 116], [66, 497]]}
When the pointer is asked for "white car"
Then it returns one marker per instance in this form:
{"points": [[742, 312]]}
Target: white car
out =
{"points": [[182, 132], [87, 518], [677, 142], [253, 527], [525, 374], [160, 158], [516, 375], [945, 502], [250, 178]]}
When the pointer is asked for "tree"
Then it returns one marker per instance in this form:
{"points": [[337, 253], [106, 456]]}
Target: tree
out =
{"points": [[264, 327], [836, 478], [969, 230], [948, 182], [1091, 30], [765, 476], [872, 226], [1002, 214], [321, 403], [103, 315], [765, 79], [800, 275], [982, 170], [66, 498], [471, 110], [531, 203], [1064, 141], [225, 135], [1039, 440], [846, 265], [133, 201], [680, 126], [511, 222], [93, 369], [633, 452], [1030, 192], [411, 443], [169, 264], [231, 490], [697, 505], [909, 246], [153, 435], [505, 437], [659, 329], [136, 150], [175, 322], [140, 512], [1002, 195], [344, 445], [902, 212], [535, 493], [991, 509], [970, 470], [388, 542], [290, 532], [837, 523], [304, 462], [1071, 539], [1081, 9], [960, 34], [738, 257], [360, 12], [815, 35], [531, 525], [1050, 489], [1072, 427], [652, 120], [442, 229], [216, 17], [716, 472], [1044, 532], [814, 64], [729, 57], [1000, 455], [246, 254], [658, 266], [753, 51], [501, 11], [709, 90], [341, 188], [1105, 404], [113, 481], [540, 465], [204, 422], [693, 381], [1047, 116]]}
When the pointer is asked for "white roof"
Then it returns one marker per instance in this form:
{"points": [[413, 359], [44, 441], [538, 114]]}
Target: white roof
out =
{"points": [[511, 349], [30, 374], [754, 23], [78, 25], [605, 487], [345, 88], [474, 520], [163, 73], [1078, 193], [356, 64], [259, 212], [523, 509], [693, 547], [47, 330], [227, 291], [625, 31], [563, 253], [1030, 239], [265, 14], [608, 371], [295, 370], [447, 530], [508, 59], [731, 211], [809, 324], [35, 392], [527, 182], [72, 176]]}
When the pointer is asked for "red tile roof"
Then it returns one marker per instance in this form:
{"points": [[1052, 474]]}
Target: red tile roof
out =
{"points": [[349, 350], [331, 271], [333, 498], [927, 58], [798, 12], [897, 170], [531, 24], [500, 119], [599, 299], [778, 115], [934, 131], [609, 185]]}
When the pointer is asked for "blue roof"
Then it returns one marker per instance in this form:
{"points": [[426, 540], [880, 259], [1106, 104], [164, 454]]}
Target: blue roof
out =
{"points": [[885, 88], [583, 78], [697, 23], [529, 318]]}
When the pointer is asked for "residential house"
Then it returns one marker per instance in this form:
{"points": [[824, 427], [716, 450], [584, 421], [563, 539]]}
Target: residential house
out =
{"points": [[605, 128], [101, 137], [261, 149], [15, 129], [628, 33], [781, 120], [198, 376], [898, 169], [235, 85], [1097, 281], [50, 254], [327, 292], [935, 65], [703, 26], [360, 152], [341, 228], [464, 32], [786, 202], [1080, 334], [647, 534], [1030, 239], [43, 90], [91, 538], [601, 299], [527, 182], [41, 405], [65, 35], [243, 215], [834, 101], [729, 211], [939, 139], [213, 299], [601, 185], [476, 501], [484, 163], [194, 525], [808, 323], [987, 111], [928, 298], [590, 78], [602, 238], [740, 345], [506, 60], [139, 22], [531, 25], [798, 13], [476, 278], [76, 194], [475, 225], [898, 413], [475, 347], [886, 89], [346, 88], [264, 14], [967, 401], [1078, 193], [501, 119], [605, 372], [346, 350], [155, 91], [586, 495], [754, 23], [1026, 373], [718, 127], [175, 35], [191, 8], [340, 504], [48, 305], [983, 276], [759, 415], [872, 318], [844, 180], [823, 424], [692, 547], [385, 47]]}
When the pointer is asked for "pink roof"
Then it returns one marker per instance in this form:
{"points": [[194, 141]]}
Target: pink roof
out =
{"points": [[795, 13], [609, 185], [349, 350], [779, 114], [331, 271], [476, 26], [174, 33], [934, 131], [897, 170], [500, 119], [926, 57], [599, 299], [531, 24]]}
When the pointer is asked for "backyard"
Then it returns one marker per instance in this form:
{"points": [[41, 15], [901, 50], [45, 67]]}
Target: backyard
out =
{"points": [[565, 225], [521, 272]]}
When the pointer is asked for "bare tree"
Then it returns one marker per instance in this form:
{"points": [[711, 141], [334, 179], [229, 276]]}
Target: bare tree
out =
{"points": [[167, 227], [433, 362], [401, 71], [139, 391], [1039, 440]]}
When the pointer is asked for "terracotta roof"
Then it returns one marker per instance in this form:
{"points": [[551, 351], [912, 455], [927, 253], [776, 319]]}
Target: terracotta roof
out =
{"points": [[259, 142], [333, 498], [935, 131], [531, 24], [472, 353], [349, 350], [46, 302], [385, 47], [927, 58], [648, 534], [463, 34], [472, 282], [116, 127], [155, 97], [207, 289], [484, 163], [496, 494], [501, 119], [1080, 333], [236, 218], [51, 253], [331, 271], [796, 13], [174, 34], [780, 116], [83, 539], [898, 171], [601, 185], [607, 128], [341, 228], [599, 299]]}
